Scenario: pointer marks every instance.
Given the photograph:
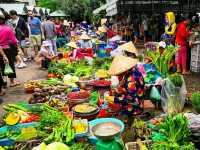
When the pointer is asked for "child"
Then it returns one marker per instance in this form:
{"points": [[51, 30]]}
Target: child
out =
{"points": [[45, 55]]}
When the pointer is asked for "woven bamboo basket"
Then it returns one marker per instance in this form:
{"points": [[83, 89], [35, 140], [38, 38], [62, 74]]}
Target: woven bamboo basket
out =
{"points": [[135, 146]]}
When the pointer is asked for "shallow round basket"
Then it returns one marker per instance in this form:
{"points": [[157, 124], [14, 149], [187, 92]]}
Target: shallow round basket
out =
{"points": [[85, 113], [74, 102], [106, 127]]}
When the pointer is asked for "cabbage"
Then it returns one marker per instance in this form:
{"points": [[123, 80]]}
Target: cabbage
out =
{"points": [[57, 146], [75, 79]]}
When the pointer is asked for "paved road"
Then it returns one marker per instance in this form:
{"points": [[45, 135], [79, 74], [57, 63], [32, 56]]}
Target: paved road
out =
{"points": [[15, 94]]}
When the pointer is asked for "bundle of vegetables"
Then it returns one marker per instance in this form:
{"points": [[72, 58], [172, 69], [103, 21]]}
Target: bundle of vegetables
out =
{"points": [[62, 133], [138, 130], [174, 134], [79, 68], [162, 61], [51, 117], [176, 79], [195, 98], [83, 71], [102, 63], [61, 68], [172, 98], [51, 82], [82, 146], [94, 98]]}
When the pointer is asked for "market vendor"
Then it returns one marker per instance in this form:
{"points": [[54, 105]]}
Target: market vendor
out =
{"points": [[85, 41], [130, 91], [45, 55]]}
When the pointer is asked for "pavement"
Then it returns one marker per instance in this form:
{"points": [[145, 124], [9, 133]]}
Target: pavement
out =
{"points": [[16, 94]]}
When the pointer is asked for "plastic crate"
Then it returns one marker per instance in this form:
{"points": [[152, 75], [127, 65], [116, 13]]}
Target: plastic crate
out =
{"points": [[195, 69]]}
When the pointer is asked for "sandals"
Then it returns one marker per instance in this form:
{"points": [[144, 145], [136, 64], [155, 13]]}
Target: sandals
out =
{"points": [[186, 73], [3, 92], [14, 84]]}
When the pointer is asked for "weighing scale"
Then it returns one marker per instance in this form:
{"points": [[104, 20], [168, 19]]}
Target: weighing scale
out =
{"points": [[114, 144], [109, 141]]}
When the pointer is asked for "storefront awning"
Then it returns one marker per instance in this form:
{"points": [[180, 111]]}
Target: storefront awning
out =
{"points": [[58, 13], [20, 8], [111, 9]]}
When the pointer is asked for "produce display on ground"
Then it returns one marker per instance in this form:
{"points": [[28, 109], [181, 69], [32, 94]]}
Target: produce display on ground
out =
{"points": [[85, 104]]}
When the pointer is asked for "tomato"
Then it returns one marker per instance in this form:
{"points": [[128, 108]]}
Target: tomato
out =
{"points": [[51, 75]]}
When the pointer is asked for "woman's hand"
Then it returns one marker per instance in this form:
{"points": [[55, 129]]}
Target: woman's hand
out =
{"points": [[5, 59]]}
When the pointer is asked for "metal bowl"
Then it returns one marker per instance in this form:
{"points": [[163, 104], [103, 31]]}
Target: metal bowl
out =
{"points": [[106, 130]]}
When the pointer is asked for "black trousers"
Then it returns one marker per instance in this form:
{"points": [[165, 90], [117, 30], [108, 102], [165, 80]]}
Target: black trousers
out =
{"points": [[1, 81]]}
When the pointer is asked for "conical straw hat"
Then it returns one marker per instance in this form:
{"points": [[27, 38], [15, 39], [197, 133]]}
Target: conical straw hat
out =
{"points": [[72, 44], [102, 29], [121, 64], [129, 47], [84, 37]]}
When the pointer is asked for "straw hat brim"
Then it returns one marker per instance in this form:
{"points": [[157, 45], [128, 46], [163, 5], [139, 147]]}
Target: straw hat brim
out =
{"points": [[121, 64], [129, 47], [72, 44], [85, 37]]}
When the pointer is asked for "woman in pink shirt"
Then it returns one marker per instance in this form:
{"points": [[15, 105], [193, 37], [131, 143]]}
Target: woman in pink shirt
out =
{"points": [[8, 46]]}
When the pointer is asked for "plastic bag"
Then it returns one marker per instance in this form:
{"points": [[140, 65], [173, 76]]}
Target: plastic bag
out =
{"points": [[8, 70], [173, 98], [155, 94]]}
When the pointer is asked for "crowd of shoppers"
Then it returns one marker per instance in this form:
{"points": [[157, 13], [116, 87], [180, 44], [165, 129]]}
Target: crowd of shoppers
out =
{"points": [[44, 37]]}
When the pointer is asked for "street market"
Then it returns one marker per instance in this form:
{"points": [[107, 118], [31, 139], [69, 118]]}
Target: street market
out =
{"points": [[126, 81]]}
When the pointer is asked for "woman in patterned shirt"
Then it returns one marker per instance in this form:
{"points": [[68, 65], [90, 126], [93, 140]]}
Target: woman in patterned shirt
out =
{"points": [[130, 92]]}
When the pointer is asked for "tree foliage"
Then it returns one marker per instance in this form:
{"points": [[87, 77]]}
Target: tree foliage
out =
{"points": [[76, 9]]}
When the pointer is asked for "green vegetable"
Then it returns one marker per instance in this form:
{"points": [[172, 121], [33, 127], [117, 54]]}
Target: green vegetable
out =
{"points": [[50, 117], [176, 79], [82, 146], [174, 134], [63, 133], [195, 98], [94, 98], [158, 137], [162, 61], [51, 82]]}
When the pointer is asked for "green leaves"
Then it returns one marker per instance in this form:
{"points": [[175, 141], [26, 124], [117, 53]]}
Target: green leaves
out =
{"points": [[76, 9], [196, 101], [162, 61], [175, 129]]}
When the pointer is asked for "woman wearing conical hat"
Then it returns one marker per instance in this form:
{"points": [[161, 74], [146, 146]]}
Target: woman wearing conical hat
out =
{"points": [[130, 91]]}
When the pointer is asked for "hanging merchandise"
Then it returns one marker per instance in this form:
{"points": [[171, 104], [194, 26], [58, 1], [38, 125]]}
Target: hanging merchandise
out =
{"points": [[172, 97], [8, 70]]}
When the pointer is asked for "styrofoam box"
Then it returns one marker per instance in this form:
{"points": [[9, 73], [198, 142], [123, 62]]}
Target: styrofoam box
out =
{"points": [[195, 57], [195, 63], [195, 69]]}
